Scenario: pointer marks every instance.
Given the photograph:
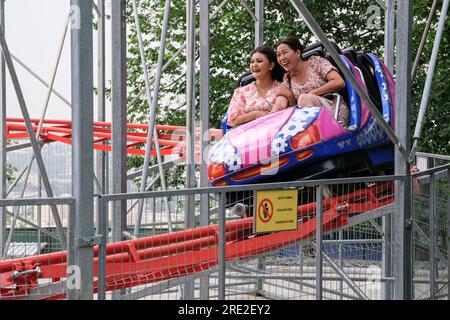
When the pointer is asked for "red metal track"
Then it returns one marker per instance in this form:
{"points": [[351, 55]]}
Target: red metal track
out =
{"points": [[157, 258], [171, 138]]}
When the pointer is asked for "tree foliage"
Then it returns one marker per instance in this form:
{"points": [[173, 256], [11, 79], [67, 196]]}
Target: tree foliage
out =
{"points": [[232, 39]]}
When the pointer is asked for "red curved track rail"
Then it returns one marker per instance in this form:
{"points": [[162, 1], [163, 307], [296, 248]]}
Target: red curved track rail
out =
{"points": [[172, 139], [161, 257]]}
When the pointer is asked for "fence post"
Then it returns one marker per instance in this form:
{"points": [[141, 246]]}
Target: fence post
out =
{"points": [[221, 246], [448, 234], [72, 292], [319, 247], [432, 239], [102, 232]]}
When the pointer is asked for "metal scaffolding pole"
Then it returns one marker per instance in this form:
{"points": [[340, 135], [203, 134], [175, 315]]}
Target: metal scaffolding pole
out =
{"points": [[3, 143], [319, 242], [204, 125], [389, 47], [430, 74], [153, 104], [190, 127], [317, 31], [38, 131], [101, 164], [82, 227], [402, 224], [389, 35], [33, 140], [259, 24], [448, 235], [432, 238], [424, 38], [42, 81], [119, 116]]}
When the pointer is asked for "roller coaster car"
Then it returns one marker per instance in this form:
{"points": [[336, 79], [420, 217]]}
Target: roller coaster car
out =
{"points": [[308, 142]]}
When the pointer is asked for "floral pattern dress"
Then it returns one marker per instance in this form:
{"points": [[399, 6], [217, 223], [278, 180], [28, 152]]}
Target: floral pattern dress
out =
{"points": [[247, 99], [319, 68]]}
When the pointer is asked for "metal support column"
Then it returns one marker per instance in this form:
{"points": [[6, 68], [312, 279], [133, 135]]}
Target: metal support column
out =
{"points": [[319, 246], [389, 35], [119, 115], [82, 150], [386, 258], [448, 234], [423, 40], [259, 25], [402, 229], [204, 126], [31, 135], [101, 164], [102, 232], [221, 247], [190, 127], [432, 238], [389, 46], [153, 104], [3, 143]]}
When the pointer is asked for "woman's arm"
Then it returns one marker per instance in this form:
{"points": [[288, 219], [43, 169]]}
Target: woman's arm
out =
{"points": [[334, 84], [280, 104], [283, 91], [247, 117]]}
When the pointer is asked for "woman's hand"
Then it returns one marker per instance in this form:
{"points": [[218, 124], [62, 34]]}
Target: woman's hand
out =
{"points": [[283, 91], [258, 114]]}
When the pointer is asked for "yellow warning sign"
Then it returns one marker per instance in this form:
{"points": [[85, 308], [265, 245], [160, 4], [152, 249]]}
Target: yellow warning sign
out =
{"points": [[276, 210]]}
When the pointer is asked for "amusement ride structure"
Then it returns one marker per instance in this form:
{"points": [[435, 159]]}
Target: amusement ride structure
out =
{"points": [[319, 147]]}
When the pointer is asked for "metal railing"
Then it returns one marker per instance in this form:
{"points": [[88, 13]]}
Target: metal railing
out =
{"points": [[242, 264]]}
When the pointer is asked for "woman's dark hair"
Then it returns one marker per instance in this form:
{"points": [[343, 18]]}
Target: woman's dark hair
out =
{"points": [[277, 71], [293, 43]]}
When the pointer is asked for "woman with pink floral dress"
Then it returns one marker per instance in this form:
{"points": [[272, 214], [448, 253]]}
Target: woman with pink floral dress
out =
{"points": [[258, 98], [306, 82]]}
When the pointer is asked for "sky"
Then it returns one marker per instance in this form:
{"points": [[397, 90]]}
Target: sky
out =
{"points": [[34, 31]]}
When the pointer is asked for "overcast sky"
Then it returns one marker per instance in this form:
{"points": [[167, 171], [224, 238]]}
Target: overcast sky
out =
{"points": [[34, 30]]}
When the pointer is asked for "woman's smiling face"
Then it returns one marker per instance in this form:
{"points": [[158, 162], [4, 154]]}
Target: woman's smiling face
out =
{"points": [[260, 66], [287, 57]]}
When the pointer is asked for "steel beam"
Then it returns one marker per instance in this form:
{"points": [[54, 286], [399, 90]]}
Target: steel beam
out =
{"points": [[402, 221], [29, 128], [42, 81], [424, 38], [319, 244], [221, 247], [82, 150], [190, 127], [3, 142], [432, 239], [389, 47], [101, 164], [153, 104], [119, 120], [204, 125], [448, 234], [389, 34], [119, 115], [259, 23]]}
